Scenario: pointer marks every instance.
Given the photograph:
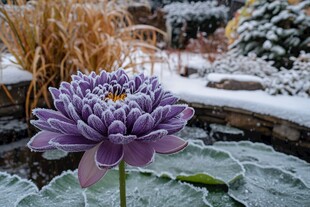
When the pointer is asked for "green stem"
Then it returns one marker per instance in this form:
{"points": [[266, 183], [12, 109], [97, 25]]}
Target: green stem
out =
{"points": [[122, 184]]}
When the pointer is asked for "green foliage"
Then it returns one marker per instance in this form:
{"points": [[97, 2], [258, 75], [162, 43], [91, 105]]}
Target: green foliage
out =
{"points": [[275, 30], [229, 174], [142, 190]]}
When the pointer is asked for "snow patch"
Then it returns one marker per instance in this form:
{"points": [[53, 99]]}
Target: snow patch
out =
{"points": [[11, 73]]}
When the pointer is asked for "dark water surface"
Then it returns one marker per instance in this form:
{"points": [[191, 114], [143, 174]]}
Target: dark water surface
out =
{"points": [[16, 158]]}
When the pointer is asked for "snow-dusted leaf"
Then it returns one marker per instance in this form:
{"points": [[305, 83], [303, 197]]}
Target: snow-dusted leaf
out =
{"points": [[196, 163], [219, 198], [266, 186], [63, 190], [54, 154], [142, 190], [14, 188], [264, 155]]}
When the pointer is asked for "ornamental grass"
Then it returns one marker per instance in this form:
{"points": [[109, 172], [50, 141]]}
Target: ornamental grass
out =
{"points": [[54, 39]]}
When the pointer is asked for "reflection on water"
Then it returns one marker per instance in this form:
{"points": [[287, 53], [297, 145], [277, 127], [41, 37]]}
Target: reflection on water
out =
{"points": [[16, 158]]}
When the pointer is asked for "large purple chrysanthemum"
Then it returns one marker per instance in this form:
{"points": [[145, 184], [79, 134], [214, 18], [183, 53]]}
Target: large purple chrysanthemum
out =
{"points": [[111, 117]]}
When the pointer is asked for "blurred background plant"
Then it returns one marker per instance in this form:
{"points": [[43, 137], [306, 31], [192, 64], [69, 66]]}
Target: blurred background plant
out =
{"points": [[53, 39], [185, 20], [275, 30]]}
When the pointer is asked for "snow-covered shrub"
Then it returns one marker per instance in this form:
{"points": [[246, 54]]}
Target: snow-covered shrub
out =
{"points": [[184, 20], [294, 82], [275, 30], [246, 65]]}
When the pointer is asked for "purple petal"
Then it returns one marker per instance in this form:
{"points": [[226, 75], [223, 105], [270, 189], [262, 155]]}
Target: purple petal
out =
{"points": [[143, 124], [45, 114], [107, 117], [168, 99], [88, 172], [175, 110], [55, 92], [72, 112], [60, 106], [63, 127], [120, 114], [98, 109], [117, 127], [133, 115], [188, 113], [96, 123], [43, 125], [169, 144], [138, 154], [84, 86], [138, 81], [89, 132], [86, 111], [172, 126], [109, 154], [121, 139], [123, 79], [39, 142], [77, 102], [71, 143], [102, 78], [153, 136]]}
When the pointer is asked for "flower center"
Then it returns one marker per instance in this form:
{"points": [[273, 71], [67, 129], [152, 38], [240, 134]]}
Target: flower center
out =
{"points": [[116, 97]]}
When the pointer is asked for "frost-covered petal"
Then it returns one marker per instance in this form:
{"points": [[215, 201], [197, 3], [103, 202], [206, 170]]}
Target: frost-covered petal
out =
{"points": [[55, 92], [143, 124], [96, 123], [133, 115], [40, 141], [175, 110], [154, 135], [72, 143], [63, 127], [43, 125], [107, 117], [72, 112], [172, 126], [121, 139], [45, 114], [88, 172], [188, 113], [109, 154], [117, 127], [86, 111], [120, 114], [60, 106], [138, 154], [169, 144], [89, 132]]}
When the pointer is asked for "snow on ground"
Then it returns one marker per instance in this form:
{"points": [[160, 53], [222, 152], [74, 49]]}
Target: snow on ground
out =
{"points": [[217, 77], [295, 109], [11, 73]]}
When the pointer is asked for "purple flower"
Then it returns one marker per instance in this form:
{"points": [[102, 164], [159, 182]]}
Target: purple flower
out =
{"points": [[111, 117]]}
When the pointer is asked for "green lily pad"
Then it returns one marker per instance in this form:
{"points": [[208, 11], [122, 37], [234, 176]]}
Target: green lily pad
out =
{"points": [[266, 186], [219, 198], [265, 155], [63, 190], [14, 188], [196, 163], [142, 190]]}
